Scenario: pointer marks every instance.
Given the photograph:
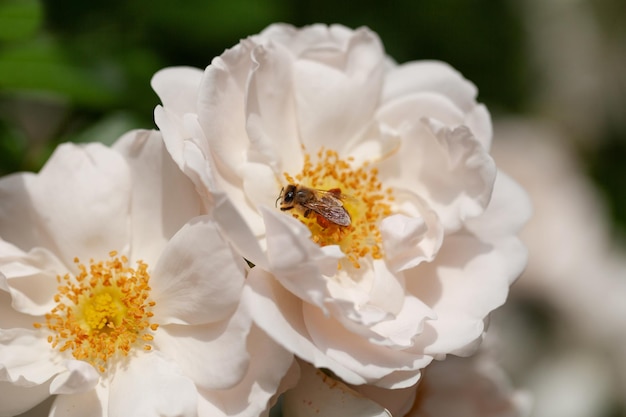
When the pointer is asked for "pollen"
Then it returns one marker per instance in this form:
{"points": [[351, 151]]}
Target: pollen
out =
{"points": [[362, 195], [102, 312]]}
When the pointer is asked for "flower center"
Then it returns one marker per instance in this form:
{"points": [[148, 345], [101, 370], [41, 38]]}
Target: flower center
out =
{"points": [[360, 194], [102, 311]]}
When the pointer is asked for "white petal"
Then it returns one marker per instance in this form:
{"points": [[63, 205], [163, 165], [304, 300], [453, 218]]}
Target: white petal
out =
{"points": [[446, 167], [93, 403], [221, 111], [373, 363], [337, 88], [401, 331], [297, 262], [163, 199], [177, 87], [48, 209], [11, 318], [260, 185], [27, 357], [509, 209], [30, 279], [79, 377], [268, 365], [213, 355], [479, 389], [430, 76], [409, 241], [319, 395], [197, 279], [270, 110], [467, 281], [152, 386], [16, 399], [279, 314]]}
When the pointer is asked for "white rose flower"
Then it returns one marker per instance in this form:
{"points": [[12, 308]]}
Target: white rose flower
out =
{"points": [[119, 297], [362, 191]]}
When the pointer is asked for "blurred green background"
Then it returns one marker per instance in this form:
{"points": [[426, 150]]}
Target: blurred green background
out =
{"points": [[80, 70]]}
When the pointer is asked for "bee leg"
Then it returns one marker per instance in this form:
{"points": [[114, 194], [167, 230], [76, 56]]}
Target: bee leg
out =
{"points": [[323, 221], [336, 192], [307, 213]]}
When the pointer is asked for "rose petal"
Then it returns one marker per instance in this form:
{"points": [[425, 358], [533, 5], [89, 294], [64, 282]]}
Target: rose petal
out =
{"points": [[197, 279], [163, 199], [468, 280], [319, 395], [79, 377], [368, 360], [30, 278], [249, 398], [160, 389], [92, 403], [213, 355], [279, 314], [401, 331], [27, 201], [448, 168], [221, 111], [509, 209], [297, 262], [177, 87], [409, 241], [430, 76], [27, 358], [16, 399], [60, 196], [270, 110], [337, 88]]}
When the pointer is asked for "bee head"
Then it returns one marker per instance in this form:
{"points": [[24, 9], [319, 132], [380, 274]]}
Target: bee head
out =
{"points": [[290, 194]]}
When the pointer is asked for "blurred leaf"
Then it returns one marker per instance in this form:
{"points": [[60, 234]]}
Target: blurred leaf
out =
{"points": [[19, 19], [41, 65]]}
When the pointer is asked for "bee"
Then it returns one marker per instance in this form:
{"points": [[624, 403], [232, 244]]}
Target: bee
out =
{"points": [[326, 204]]}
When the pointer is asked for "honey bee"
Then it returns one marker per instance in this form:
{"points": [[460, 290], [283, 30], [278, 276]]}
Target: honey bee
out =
{"points": [[326, 204]]}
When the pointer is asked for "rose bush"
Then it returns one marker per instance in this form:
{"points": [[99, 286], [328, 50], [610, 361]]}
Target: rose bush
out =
{"points": [[119, 296], [430, 248]]}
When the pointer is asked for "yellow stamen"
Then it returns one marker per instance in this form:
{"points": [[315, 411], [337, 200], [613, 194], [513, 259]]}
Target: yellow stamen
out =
{"points": [[363, 197], [102, 311]]}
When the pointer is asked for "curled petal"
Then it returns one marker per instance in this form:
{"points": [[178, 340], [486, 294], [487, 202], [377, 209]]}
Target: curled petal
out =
{"points": [[468, 280], [299, 264], [27, 358], [177, 87], [30, 279], [78, 378]]}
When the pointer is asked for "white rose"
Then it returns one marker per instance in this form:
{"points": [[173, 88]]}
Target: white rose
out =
{"points": [[421, 245], [118, 296]]}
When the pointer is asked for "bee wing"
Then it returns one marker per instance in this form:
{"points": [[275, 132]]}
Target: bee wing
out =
{"points": [[331, 209]]}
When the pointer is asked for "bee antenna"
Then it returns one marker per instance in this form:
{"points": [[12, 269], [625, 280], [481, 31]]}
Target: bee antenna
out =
{"points": [[279, 197]]}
